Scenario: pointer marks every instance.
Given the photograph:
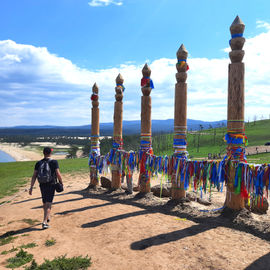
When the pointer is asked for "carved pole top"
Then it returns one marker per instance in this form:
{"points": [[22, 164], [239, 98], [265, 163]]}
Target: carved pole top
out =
{"points": [[237, 26], [119, 89], [237, 41], [94, 96], [119, 79], [181, 65], [182, 52], [146, 71], [95, 88]]}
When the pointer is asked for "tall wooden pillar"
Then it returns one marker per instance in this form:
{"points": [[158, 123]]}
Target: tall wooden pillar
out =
{"points": [[236, 106], [117, 129], [95, 151], [146, 132], [180, 121]]}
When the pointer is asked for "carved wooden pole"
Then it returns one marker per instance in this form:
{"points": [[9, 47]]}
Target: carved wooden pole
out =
{"points": [[180, 122], [235, 117], [146, 133], [117, 129], [95, 151]]}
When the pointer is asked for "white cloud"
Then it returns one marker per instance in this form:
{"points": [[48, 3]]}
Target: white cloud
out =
{"points": [[263, 24], [37, 87], [102, 3]]}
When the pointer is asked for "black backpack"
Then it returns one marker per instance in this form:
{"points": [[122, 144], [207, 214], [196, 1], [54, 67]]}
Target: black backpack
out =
{"points": [[44, 172]]}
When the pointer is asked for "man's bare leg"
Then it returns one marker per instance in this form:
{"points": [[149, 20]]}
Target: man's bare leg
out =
{"points": [[47, 212]]}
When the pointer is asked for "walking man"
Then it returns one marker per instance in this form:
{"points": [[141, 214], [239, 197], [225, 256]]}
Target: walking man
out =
{"points": [[47, 172]]}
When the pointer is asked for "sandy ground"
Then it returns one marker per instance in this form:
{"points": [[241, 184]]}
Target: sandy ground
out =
{"points": [[126, 234], [24, 153]]}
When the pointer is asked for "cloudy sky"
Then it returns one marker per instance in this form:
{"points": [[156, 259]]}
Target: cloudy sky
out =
{"points": [[52, 52]]}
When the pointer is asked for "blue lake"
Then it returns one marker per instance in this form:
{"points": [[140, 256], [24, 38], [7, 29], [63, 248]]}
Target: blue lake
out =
{"points": [[4, 157]]}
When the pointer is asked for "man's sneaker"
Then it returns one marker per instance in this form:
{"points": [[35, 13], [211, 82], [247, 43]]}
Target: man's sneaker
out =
{"points": [[45, 226]]}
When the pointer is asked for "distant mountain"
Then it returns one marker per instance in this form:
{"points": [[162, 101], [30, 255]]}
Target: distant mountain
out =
{"points": [[106, 129]]}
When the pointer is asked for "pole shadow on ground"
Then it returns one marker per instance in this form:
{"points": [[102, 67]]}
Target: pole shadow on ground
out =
{"points": [[204, 222], [262, 263]]}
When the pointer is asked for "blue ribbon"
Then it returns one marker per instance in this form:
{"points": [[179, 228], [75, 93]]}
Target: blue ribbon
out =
{"points": [[232, 140], [111, 155], [145, 142], [179, 142], [123, 87], [235, 36], [116, 145], [186, 178]]}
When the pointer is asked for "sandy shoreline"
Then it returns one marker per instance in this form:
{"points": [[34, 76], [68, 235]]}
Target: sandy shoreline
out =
{"points": [[20, 153]]}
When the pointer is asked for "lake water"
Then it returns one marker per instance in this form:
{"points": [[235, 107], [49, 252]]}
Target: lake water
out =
{"points": [[4, 157]]}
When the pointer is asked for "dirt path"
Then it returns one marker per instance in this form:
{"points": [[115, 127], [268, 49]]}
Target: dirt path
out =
{"points": [[253, 150], [118, 235]]}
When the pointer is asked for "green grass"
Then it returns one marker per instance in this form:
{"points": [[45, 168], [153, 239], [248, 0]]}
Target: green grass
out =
{"points": [[50, 242], [74, 165], [63, 263], [9, 251], [258, 133], [29, 245], [13, 176], [6, 240], [211, 141], [16, 174], [30, 221], [259, 159], [21, 258]]}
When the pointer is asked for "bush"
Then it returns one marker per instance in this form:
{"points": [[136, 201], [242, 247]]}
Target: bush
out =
{"points": [[62, 263], [21, 258], [50, 242]]}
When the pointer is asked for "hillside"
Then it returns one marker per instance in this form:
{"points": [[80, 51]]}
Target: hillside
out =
{"points": [[210, 141], [106, 129]]}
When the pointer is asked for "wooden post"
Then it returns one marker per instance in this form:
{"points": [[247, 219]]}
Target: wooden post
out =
{"points": [[236, 106], [180, 121], [146, 132], [95, 151], [117, 129]]}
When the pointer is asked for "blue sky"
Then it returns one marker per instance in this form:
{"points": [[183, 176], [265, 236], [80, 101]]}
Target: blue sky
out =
{"points": [[52, 52]]}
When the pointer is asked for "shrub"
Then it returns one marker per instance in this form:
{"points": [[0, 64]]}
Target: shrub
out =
{"points": [[21, 258], [50, 242], [62, 263]]}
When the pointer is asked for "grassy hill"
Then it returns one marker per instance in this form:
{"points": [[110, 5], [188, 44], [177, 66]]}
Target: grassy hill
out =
{"points": [[258, 132], [205, 141]]}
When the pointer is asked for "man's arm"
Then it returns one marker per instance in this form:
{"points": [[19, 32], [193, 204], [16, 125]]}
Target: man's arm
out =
{"points": [[34, 177], [59, 176]]}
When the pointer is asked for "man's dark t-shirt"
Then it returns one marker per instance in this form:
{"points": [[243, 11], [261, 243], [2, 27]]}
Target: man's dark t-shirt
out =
{"points": [[53, 166]]}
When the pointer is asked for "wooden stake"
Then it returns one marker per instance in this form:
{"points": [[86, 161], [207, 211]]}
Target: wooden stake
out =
{"points": [[236, 105], [95, 151], [117, 129], [146, 131], [180, 121]]}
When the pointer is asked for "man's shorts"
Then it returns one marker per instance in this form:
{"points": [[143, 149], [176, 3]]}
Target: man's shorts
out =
{"points": [[47, 192]]}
